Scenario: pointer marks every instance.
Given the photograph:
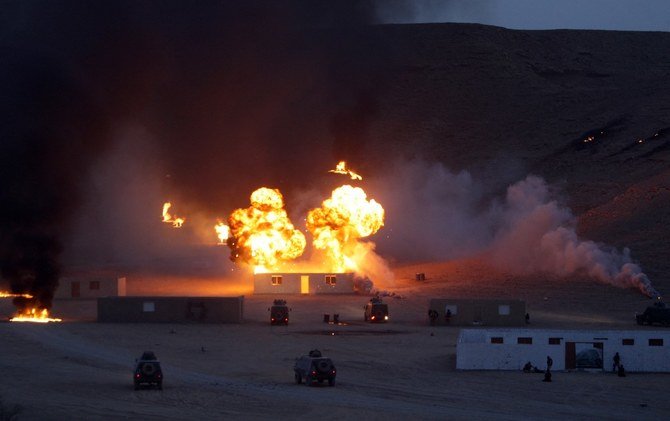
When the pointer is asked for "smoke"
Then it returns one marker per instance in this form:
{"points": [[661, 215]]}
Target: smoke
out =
{"points": [[434, 214]]}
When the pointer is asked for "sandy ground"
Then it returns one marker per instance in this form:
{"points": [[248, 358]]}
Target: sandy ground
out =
{"points": [[402, 370]]}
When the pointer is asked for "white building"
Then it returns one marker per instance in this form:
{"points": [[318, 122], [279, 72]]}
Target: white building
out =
{"points": [[304, 283], [509, 349]]}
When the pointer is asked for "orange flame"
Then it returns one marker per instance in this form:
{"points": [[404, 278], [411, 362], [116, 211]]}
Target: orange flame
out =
{"points": [[341, 168], [34, 316], [341, 220], [167, 218], [262, 234], [4, 294]]}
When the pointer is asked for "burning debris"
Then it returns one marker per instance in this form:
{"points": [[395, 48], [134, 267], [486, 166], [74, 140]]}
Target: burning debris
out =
{"points": [[262, 235], [222, 232], [176, 221], [341, 168], [35, 316]]}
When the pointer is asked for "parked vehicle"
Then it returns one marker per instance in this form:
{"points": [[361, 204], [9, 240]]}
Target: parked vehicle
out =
{"points": [[656, 313], [148, 371], [376, 311], [314, 368], [279, 313]]}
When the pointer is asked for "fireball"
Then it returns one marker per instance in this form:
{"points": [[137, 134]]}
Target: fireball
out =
{"points": [[340, 222], [341, 168], [262, 235], [222, 232]]}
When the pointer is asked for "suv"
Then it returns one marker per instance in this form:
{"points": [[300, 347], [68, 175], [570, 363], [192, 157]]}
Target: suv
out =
{"points": [[657, 313], [376, 311], [279, 313], [148, 371], [314, 367]]}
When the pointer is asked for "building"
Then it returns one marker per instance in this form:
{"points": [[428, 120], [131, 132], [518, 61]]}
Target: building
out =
{"points": [[463, 312], [171, 309], [90, 287], [510, 349], [304, 283]]}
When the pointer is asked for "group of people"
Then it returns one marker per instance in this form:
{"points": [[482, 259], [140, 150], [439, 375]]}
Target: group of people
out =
{"points": [[433, 315], [617, 367]]}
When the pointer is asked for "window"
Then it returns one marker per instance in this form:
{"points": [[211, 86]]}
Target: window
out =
{"points": [[554, 341], [94, 285], [655, 342], [628, 342], [503, 310], [453, 309], [525, 341], [148, 307], [276, 279], [331, 279], [497, 340]]}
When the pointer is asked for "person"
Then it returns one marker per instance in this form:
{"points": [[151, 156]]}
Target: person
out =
{"points": [[550, 362], [432, 315], [622, 372], [527, 318], [528, 367], [617, 362], [448, 316], [547, 376]]}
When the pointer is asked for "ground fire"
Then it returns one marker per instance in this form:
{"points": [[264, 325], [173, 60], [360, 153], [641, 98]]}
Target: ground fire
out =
{"points": [[176, 222], [28, 314]]}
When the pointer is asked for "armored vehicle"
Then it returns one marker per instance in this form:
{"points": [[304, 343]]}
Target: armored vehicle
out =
{"points": [[314, 368], [656, 313], [376, 311], [148, 371], [279, 313]]}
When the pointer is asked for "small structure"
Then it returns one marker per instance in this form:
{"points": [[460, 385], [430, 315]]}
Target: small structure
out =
{"points": [[304, 283], [460, 312], [511, 349], [90, 287], [170, 309]]}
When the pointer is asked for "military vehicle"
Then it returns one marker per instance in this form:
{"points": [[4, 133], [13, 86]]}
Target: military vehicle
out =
{"points": [[657, 313], [148, 371], [376, 311], [314, 368], [279, 313]]}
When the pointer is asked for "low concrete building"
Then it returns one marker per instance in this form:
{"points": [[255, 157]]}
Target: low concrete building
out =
{"points": [[478, 312], [511, 349], [87, 287], [171, 309], [304, 283]]}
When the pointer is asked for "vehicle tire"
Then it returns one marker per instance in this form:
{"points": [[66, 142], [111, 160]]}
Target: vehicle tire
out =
{"points": [[137, 386], [148, 369], [331, 382], [159, 385], [298, 378], [308, 381], [323, 366], [365, 317]]}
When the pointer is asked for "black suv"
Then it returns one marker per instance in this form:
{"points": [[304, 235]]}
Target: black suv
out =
{"points": [[656, 313], [314, 367], [148, 371]]}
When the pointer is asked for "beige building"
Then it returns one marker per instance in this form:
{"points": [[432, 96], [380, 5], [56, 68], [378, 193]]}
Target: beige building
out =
{"points": [[90, 287], [304, 283], [472, 312]]}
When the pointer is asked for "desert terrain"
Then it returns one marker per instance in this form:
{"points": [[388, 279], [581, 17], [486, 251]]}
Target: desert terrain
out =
{"points": [[497, 103]]}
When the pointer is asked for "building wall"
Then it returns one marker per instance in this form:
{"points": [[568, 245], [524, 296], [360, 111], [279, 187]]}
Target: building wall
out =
{"points": [[171, 309], [476, 350], [292, 283], [479, 312], [90, 287]]}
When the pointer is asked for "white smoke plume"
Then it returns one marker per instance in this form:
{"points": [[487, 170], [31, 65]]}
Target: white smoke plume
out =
{"points": [[437, 214]]}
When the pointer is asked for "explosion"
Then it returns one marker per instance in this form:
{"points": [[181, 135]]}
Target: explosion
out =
{"points": [[174, 220], [222, 232], [262, 234], [340, 222]]}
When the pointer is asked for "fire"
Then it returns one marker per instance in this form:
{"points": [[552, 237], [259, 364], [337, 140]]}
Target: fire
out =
{"points": [[340, 222], [262, 234], [174, 220], [222, 232], [34, 316], [341, 168], [4, 294]]}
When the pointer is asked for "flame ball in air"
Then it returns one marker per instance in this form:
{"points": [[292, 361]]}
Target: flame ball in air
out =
{"points": [[341, 220], [341, 168], [262, 234], [176, 222]]}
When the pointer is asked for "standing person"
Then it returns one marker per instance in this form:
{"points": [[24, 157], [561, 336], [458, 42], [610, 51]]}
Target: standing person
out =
{"points": [[550, 362], [447, 316], [617, 362]]}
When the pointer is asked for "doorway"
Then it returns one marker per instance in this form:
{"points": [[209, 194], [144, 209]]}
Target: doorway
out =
{"points": [[304, 284]]}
